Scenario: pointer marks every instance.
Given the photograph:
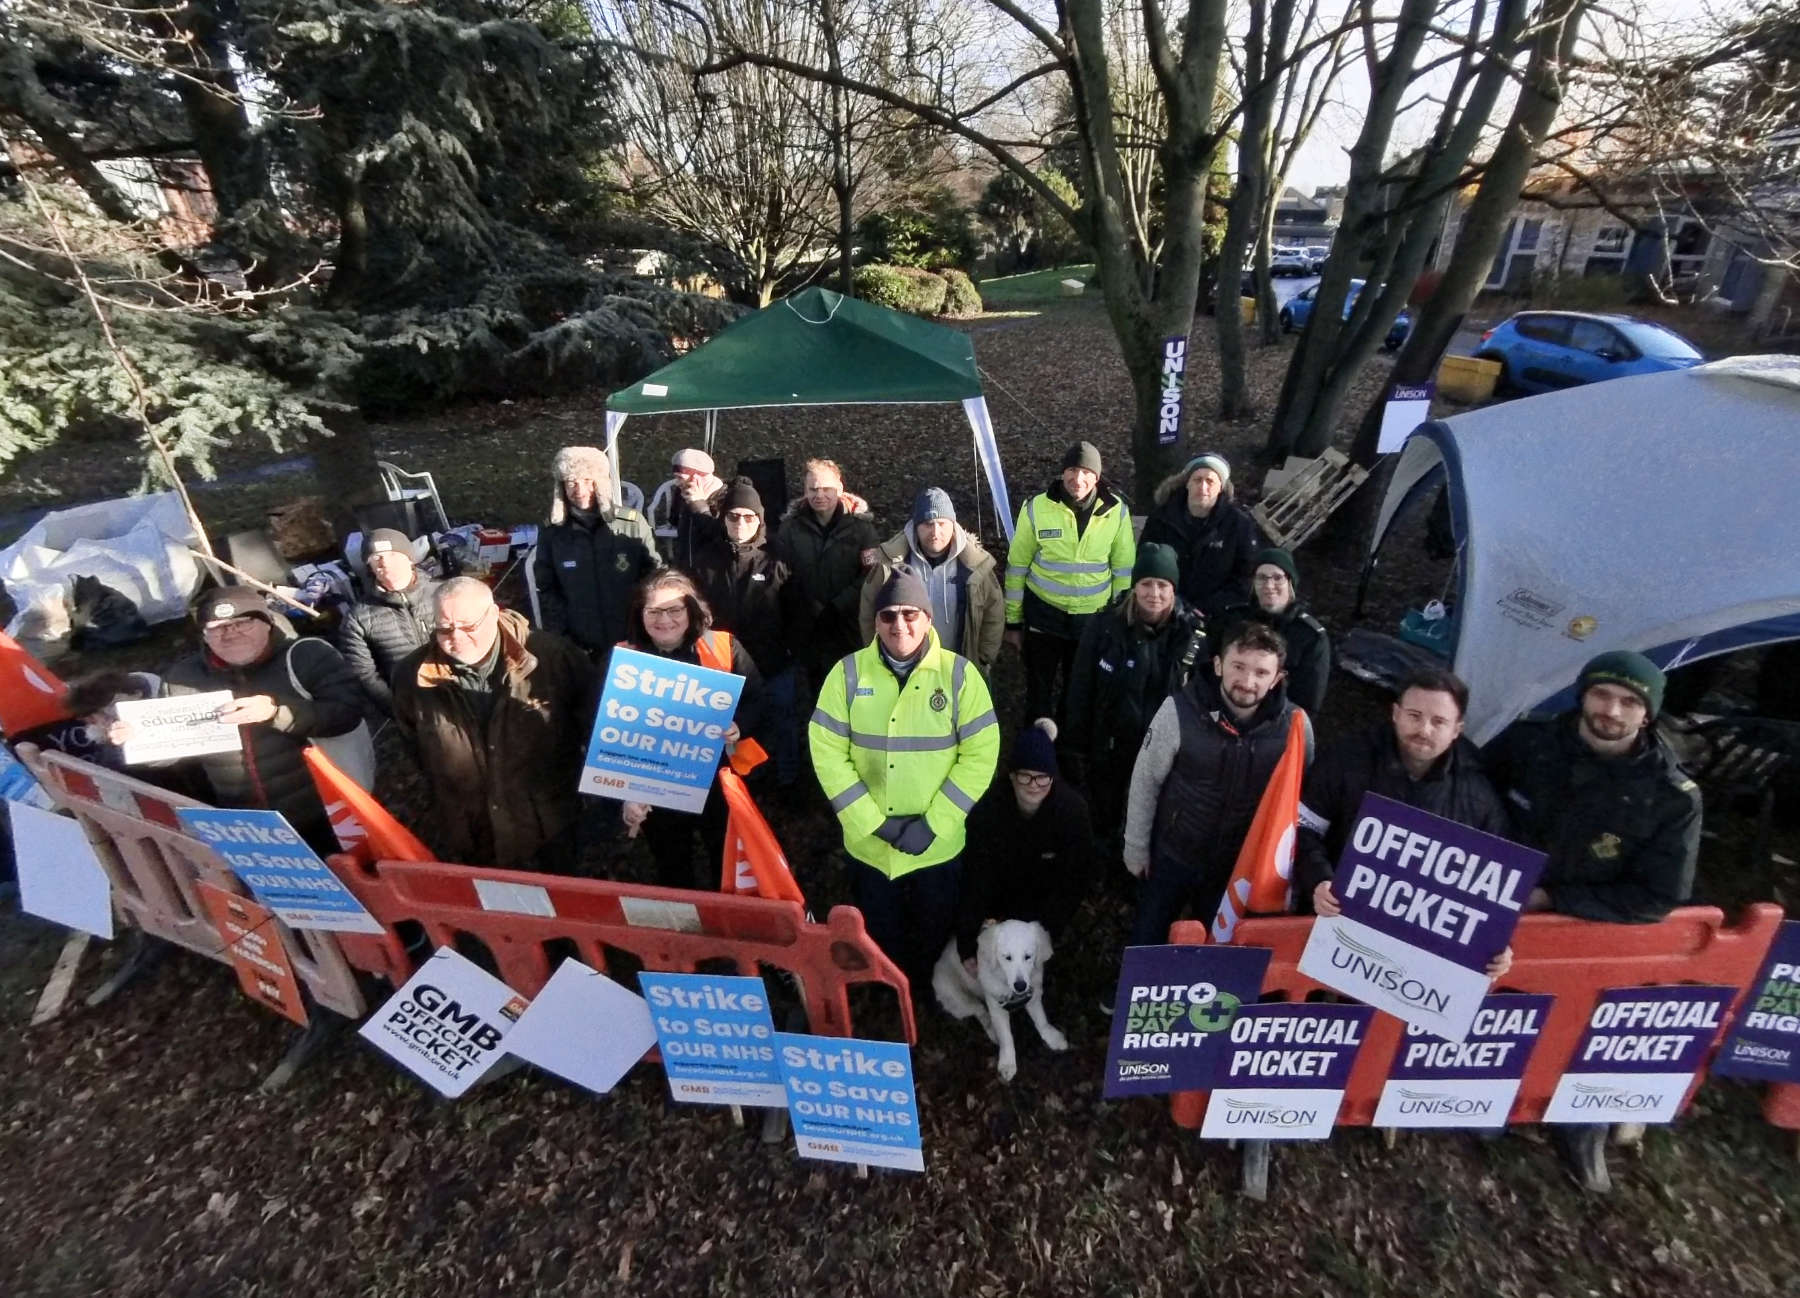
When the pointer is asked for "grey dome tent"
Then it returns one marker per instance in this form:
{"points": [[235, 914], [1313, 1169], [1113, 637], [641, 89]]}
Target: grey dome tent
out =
{"points": [[1655, 513], [819, 348]]}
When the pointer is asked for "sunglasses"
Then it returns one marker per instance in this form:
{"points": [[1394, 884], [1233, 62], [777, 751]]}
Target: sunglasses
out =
{"points": [[889, 616]]}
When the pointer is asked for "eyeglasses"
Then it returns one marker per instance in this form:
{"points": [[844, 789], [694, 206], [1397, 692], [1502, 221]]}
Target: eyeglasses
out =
{"points": [[1034, 779], [667, 613], [889, 616], [740, 516], [445, 630], [1279, 579], [235, 627]]}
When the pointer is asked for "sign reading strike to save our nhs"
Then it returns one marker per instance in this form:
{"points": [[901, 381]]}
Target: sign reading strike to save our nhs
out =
{"points": [[659, 731], [1283, 1071], [1765, 1040], [716, 1038], [852, 1101], [1639, 1054], [1467, 1083], [280, 870], [1427, 903], [1175, 1004]]}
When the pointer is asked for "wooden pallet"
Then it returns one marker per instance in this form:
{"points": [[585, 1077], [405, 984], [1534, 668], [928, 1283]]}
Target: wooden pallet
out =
{"points": [[1302, 494]]}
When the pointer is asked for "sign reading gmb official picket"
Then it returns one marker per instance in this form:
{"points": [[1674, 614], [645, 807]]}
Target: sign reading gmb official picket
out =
{"points": [[659, 731], [1427, 903]]}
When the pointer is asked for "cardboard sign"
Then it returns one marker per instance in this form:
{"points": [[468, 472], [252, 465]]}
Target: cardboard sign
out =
{"points": [[187, 725], [448, 1025], [583, 1027], [1283, 1072], [1408, 406], [1427, 903], [1764, 1043], [278, 867], [1467, 1083], [256, 950], [659, 731], [19, 785], [60, 878], [1175, 1004], [1639, 1054], [716, 1037], [852, 1101]]}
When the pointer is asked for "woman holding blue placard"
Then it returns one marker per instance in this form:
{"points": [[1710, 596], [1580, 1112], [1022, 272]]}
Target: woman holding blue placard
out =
{"points": [[669, 619]]}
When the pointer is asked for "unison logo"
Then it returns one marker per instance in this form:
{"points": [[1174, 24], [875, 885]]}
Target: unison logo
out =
{"points": [[1611, 1099], [1251, 1112], [1376, 967], [1443, 1103], [1140, 1070]]}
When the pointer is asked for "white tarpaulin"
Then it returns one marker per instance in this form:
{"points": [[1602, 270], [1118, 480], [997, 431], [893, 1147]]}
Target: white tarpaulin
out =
{"points": [[137, 545], [1653, 513]]}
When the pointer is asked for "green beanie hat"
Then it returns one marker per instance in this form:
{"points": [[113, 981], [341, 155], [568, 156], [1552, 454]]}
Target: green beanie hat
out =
{"points": [[1282, 560], [1156, 560], [1632, 670]]}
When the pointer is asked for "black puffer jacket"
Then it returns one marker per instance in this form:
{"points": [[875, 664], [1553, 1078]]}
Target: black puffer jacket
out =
{"points": [[1308, 648], [1369, 762], [1038, 867], [585, 571], [751, 594], [268, 772], [381, 630], [1123, 671], [1622, 833], [1215, 553], [827, 567]]}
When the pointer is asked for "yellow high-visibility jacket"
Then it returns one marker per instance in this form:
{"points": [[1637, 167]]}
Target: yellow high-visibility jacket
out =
{"points": [[1073, 573], [929, 748]]}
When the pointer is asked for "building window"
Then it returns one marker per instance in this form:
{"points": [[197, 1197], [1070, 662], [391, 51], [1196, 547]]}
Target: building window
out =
{"points": [[1609, 240], [1529, 232]]}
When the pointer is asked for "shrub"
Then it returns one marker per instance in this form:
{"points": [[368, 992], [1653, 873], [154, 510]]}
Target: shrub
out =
{"points": [[929, 231], [882, 285], [962, 300], [926, 292]]}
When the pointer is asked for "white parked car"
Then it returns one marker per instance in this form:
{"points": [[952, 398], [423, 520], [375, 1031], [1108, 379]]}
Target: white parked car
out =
{"points": [[1289, 261]]}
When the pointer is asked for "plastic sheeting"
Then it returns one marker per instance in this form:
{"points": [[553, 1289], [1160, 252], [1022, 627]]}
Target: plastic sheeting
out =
{"points": [[137, 545]]}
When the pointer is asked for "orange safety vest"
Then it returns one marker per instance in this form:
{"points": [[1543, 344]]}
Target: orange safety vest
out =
{"points": [[713, 648]]}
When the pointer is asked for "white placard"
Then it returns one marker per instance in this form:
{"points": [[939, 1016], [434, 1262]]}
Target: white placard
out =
{"points": [[1618, 1097], [448, 1025], [60, 878], [1412, 984], [583, 1027], [514, 898], [1408, 406], [184, 726], [1272, 1113], [1449, 1102]]}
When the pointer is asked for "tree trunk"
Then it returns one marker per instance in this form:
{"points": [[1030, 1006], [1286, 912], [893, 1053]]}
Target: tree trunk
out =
{"points": [[344, 466], [350, 268], [1484, 224], [841, 184]]}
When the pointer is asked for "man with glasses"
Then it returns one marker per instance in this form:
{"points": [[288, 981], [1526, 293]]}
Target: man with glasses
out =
{"points": [[1275, 602], [499, 715], [905, 742]]}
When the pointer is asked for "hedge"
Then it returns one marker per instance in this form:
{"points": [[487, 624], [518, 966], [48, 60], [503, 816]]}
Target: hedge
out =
{"points": [[918, 292]]}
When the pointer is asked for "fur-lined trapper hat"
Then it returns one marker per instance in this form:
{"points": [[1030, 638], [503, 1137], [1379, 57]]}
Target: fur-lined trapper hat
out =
{"points": [[579, 462]]}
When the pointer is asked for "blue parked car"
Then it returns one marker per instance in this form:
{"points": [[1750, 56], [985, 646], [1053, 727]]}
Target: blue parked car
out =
{"points": [[1540, 351], [1299, 308]]}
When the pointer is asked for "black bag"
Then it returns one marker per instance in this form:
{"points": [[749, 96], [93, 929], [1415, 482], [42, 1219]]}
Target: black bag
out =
{"points": [[104, 618]]}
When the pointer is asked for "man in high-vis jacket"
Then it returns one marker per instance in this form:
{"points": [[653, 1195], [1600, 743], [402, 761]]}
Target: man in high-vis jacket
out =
{"points": [[1071, 554], [904, 741]]}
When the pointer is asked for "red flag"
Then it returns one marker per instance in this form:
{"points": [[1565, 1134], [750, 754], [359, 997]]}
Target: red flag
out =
{"points": [[754, 863], [31, 695], [1262, 881], [357, 817]]}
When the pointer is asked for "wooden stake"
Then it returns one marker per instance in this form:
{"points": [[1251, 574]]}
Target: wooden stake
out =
{"points": [[254, 583], [62, 978]]}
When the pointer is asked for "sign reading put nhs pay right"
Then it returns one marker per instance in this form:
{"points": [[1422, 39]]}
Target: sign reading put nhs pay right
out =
{"points": [[1427, 903]]}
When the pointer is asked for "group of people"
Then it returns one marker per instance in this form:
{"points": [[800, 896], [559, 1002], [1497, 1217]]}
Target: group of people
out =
{"points": [[1162, 679]]}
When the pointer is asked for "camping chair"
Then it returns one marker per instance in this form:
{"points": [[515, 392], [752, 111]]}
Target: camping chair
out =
{"points": [[399, 485], [1739, 758]]}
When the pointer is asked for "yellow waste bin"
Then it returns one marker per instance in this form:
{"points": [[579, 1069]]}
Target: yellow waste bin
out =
{"points": [[1247, 310], [1465, 379]]}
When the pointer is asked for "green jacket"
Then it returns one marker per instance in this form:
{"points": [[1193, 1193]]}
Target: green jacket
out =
{"points": [[929, 748]]}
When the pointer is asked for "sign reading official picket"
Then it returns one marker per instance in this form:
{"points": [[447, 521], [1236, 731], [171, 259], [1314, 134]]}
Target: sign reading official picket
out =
{"points": [[1765, 1041], [852, 1101], [1283, 1072], [659, 731], [1427, 903], [1467, 1083], [716, 1037], [280, 870], [1639, 1054], [1175, 1005]]}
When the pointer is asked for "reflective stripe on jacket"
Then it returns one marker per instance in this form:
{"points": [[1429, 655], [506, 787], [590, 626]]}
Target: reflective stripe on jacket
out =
{"points": [[1076, 570], [881, 749]]}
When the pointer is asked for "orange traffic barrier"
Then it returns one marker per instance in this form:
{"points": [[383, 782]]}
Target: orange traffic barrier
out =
{"points": [[31, 695], [357, 816], [528, 922], [155, 869], [1570, 959], [754, 863]]}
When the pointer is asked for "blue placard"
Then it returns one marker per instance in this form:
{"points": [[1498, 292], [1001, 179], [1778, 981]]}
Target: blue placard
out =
{"points": [[280, 870], [1764, 1042], [1175, 1006], [659, 731], [19, 785], [852, 1101], [716, 1038]]}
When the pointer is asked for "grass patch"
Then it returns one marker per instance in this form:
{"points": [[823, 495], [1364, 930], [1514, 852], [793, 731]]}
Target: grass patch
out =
{"points": [[1037, 288]]}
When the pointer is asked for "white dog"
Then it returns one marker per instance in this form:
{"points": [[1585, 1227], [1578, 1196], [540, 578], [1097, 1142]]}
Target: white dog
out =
{"points": [[1009, 974]]}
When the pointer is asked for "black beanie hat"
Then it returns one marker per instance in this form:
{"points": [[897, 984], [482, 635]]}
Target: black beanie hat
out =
{"points": [[1082, 455], [1035, 747], [1159, 561], [1632, 670], [903, 589], [741, 494], [1281, 559]]}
